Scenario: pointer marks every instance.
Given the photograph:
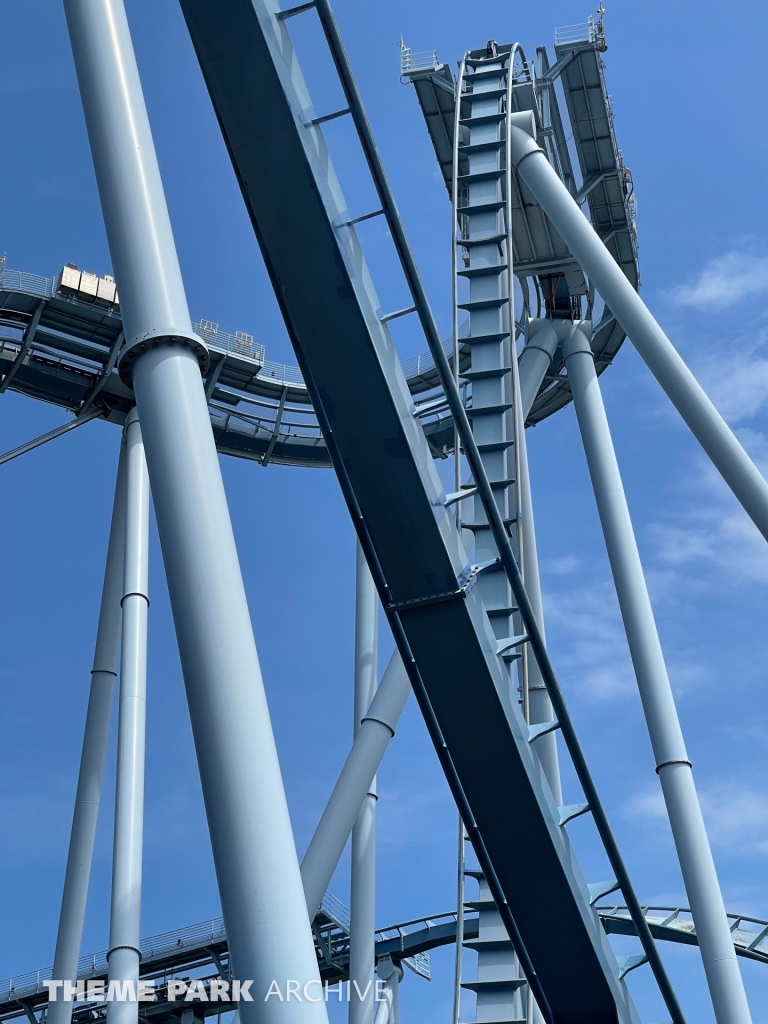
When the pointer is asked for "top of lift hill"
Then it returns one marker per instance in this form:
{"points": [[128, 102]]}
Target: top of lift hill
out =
{"points": [[587, 159]]}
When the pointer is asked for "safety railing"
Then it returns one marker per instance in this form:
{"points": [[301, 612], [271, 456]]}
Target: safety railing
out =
{"points": [[194, 936], [21, 281], [749, 941], [410, 62], [582, 33], [239, 343]]}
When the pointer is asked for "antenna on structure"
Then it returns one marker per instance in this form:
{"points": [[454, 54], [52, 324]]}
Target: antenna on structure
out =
{"points": [[602, 46]]}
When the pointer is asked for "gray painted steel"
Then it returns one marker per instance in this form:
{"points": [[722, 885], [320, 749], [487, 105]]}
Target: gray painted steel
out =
{"points": [[355, 779], [333, 317], [682, 388], [541, 341], [185, 949], [91, 775], [540, 251], [540, 345], [259, 880], [484, 248], [127, 857], [362, 906], [391, 973], [672, 764], [539, 704], [69, 363]]}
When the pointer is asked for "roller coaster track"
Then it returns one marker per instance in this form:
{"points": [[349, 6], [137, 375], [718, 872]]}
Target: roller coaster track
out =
{"points": [[192, 950]]}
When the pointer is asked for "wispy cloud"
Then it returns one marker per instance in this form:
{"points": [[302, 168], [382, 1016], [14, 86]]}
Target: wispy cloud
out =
{"points": [[565, 566], [724, 281], [735, 813], [710, 530], [734, 373], [587, 625]]}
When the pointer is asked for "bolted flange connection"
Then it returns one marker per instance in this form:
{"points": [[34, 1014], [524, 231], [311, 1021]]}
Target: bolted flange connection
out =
{"points": [[152, 339]]}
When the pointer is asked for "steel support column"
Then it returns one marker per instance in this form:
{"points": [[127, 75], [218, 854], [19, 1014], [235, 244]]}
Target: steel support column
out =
{"points": [[539, 704], [682, 388], [89, 782], [256, 865], [362, 907], [540, 344], [391, 973], [541, 341], [672, 764], [376, 730], [125, 921]]}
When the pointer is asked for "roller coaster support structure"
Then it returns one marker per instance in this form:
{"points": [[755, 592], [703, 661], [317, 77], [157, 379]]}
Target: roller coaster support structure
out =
{"points": [[253, 848], [672, 764], [125, 921], [362, 917], [376, 730], [664, 362], [89, 782]]}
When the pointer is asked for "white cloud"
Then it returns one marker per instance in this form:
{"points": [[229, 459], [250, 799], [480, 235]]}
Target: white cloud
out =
{"points": [[712, 531], [735, 376], [565, 566], [735, 813], [590, 640], [648, 803], [724, 281]]}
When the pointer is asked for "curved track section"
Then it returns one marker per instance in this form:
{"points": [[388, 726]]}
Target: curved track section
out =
{"points": [[191, 951], [59, 344]]}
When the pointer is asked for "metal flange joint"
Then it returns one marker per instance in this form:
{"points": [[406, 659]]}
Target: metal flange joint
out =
{"points": [[137, 346]]}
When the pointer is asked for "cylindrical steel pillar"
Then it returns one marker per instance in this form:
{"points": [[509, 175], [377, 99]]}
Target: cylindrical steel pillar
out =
{"points": [[354, 781], [672, 764], [254, 854], [540, 344], [541, 341], [391, 973], [362, 907], [89, 782], [125, 921], [539, 704], [685, 392]]}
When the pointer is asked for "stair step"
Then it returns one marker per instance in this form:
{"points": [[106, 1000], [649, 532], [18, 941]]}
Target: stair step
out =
{"points": [[490, 93], [476, 304], [484, 410], [495, 371], [487, 945], [483, 119], [490, 207], [483, 147], [484, 72], [484, 339], [491, 175], [498, 269], [480, 904], [474, 873], [467, 243], [504, 1020], [508, 985], [495, 446]]}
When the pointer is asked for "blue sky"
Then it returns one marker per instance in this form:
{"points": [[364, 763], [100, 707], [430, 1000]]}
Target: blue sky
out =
{"points": [[690, 103]]}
